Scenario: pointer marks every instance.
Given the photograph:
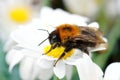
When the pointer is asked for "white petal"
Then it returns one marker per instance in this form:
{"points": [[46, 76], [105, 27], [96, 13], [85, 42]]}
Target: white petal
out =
{"points": [[29, 37], [26, 68], [96, 72], [68, 18], [78, 20], [71, 60], [78, 7], [60, 17], [112, 72], [45, 74], [94, 25], [88, 70], [59, 70], [110, 9], [104, 39], [35, 70], [45, 11], [13, 57], [69, 71], [30, 53], [44, 63], [9, 44], [100, 47]]}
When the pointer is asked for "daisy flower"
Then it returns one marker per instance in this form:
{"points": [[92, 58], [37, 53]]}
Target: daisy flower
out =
{"points": [[83, 7], [111, 72], [112, 8], [14, 13], [29, 69], [27, 47]]}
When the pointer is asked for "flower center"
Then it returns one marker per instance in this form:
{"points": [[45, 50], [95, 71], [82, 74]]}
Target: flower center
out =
{"points": [[55, 53], [19, 14]]}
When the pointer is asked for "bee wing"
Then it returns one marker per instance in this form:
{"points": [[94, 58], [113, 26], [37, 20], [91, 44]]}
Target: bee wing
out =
{"points": [[89, 35], [85, 38]]}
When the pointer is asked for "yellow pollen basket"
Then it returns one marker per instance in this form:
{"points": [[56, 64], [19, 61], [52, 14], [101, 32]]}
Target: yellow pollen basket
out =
{"points": [[55, 53], [20, 14]]}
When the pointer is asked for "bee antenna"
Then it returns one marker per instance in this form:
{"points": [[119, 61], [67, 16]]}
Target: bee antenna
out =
{"points": [[44, 30], [42, 41]]}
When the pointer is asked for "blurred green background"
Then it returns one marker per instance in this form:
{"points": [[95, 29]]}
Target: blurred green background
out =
{"points": [[106, 13]]}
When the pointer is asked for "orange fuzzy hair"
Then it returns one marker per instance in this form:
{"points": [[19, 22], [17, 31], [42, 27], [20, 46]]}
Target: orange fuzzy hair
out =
{"points": [[68, 31]]}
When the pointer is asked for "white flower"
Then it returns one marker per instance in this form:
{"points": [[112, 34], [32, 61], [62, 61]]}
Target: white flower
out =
{"points": [[26, 49], [88, 70], [112, 8], [14, 13], [83, 7], [112, 72], [29, 69]]}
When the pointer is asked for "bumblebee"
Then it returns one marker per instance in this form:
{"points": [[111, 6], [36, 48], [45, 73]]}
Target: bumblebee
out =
{"points": [[72, 36]]}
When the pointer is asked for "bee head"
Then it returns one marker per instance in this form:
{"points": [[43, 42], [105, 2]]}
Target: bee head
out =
{"points": [[54, 37]]}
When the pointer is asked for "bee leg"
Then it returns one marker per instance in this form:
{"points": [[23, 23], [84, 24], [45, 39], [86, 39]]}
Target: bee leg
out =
{"points": [[63, 54], [84, 49], [52, 47]]}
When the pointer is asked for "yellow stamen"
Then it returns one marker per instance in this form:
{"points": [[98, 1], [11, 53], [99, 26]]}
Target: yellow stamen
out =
{"points": [[19, 14], [55, 53]]}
